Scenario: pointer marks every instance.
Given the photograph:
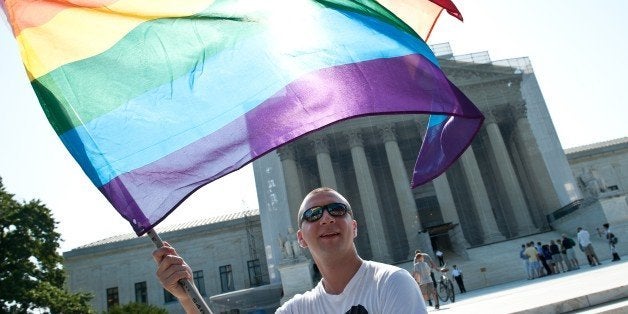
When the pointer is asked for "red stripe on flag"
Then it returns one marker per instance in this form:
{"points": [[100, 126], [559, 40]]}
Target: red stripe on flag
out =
{"points": [[450, 7]]}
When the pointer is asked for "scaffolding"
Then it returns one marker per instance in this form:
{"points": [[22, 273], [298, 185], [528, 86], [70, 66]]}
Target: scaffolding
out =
{"points": [[520, 65]]}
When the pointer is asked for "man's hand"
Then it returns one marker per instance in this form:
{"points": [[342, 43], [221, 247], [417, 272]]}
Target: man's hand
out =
{"points": [[170, 269], [433, 265]]}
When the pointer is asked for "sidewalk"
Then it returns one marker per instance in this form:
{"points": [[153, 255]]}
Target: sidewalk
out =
{"points": [[600, 289]]}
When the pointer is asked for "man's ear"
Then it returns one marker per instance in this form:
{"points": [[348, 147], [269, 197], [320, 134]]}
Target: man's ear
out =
{"points": [[302, 242]]}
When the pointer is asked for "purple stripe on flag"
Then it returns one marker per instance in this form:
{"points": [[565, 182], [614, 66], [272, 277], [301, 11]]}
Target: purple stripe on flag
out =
{"points": [[442, 145], [409, 84]]}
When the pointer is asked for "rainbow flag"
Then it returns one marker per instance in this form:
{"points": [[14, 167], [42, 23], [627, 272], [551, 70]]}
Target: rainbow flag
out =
{"points": [[156, 98]]}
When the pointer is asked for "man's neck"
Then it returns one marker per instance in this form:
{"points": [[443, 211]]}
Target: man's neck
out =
{"points": [[338, 273]]}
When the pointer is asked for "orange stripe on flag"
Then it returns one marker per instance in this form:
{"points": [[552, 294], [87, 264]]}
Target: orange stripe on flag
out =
{"points": [[24, 14]]}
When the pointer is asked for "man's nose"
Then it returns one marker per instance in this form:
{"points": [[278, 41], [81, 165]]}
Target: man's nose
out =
{"points": [[327, 218]]}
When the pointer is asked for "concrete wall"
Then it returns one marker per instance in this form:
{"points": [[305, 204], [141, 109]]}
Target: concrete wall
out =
{"points": [[606, 166], [543, 128]]}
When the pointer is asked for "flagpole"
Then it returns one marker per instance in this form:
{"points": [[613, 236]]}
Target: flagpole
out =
{"points": [[187, 285]]}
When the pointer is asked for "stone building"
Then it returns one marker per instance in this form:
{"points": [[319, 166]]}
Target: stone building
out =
{"points": [[119, 269], [503, 187], [601, 169], [226, 254]]}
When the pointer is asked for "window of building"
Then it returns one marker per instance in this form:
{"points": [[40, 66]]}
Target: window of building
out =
{"points": [[613, 188], [141, 295], [169, 297], [199, 282], [255, 273], [226, 278], [112, 297]]}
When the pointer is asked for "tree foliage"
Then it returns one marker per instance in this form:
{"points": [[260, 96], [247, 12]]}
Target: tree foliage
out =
{"points": [[136, 308], [31, 276]]}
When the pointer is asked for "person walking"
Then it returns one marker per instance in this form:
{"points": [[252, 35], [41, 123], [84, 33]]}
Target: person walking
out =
{"points": [[441, 257], [457, 273], [429, 261], [422, 268], [612, 241]]}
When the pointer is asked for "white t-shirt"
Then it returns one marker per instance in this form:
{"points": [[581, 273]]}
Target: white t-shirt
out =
{"points": [[584, 238], [375, 288], [424, 270]]}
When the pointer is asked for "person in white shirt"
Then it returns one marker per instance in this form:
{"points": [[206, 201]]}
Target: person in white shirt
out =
{"points": [[584, 239], [457, 274], [441, 258], [349, 284], [422, 272]]}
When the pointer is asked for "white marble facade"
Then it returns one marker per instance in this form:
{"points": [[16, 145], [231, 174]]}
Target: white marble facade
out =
{"points": [[502, 187]]}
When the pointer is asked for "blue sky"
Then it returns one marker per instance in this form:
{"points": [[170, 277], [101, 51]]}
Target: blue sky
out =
{"points": [[576, 49]]}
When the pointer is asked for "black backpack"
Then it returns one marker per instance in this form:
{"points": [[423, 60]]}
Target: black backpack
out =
{"points": [[613, 239]]}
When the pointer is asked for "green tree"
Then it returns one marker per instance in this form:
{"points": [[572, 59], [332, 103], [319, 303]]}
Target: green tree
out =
{"points": [[136, 308], [31, 276]]}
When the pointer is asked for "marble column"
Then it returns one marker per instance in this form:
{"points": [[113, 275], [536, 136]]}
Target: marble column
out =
{"points": [[368, 198], [534, 160], [479, 197], [407, 204], [323, 160], [514, 194], [449, 212], [293, 186], [527, 180]]}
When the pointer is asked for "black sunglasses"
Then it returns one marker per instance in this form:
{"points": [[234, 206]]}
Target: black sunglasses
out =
{"points": [[315, 213]]}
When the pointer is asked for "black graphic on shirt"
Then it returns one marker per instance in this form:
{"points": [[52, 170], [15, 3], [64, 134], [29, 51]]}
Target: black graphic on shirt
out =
{"points": [[357, 309]]}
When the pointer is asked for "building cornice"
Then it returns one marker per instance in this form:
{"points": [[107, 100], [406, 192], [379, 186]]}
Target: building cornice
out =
{"points": [[130, 241], [596, 149]]}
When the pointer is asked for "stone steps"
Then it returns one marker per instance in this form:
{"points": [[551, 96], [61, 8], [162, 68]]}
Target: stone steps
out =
{"points": [[498, 263]]}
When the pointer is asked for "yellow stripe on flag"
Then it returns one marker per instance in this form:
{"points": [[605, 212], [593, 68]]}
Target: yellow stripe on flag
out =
{"points": [[79, 33], [420, 15]]}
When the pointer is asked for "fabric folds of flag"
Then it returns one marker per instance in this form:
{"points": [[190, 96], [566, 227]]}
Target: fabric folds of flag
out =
{"points": [[421, 15], [156, 98]]}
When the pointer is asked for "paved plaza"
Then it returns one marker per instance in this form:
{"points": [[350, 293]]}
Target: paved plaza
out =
{"points": [[600, 289]]}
